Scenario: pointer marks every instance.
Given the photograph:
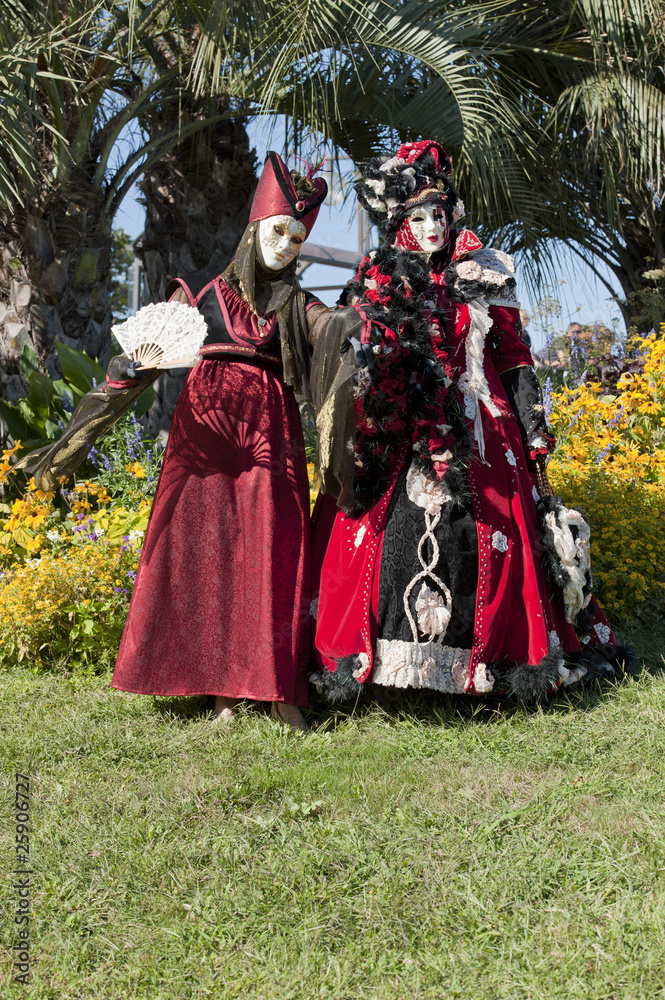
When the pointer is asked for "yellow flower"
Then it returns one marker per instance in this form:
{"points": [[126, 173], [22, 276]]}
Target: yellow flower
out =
{"points": [[136, 469]]}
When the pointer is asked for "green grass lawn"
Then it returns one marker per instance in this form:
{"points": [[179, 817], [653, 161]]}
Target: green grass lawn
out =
{"points": [[439, 849]]}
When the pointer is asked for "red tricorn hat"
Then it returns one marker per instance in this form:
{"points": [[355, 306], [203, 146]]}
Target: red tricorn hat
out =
{"points": [[276, 194]]}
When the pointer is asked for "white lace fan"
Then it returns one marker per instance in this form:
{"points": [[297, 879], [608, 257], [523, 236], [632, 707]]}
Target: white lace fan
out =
{"points": [[163, 335]]}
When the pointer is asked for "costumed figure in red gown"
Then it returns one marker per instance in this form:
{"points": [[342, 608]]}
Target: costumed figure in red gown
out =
{"points": [[450, 565], [221, 600]]}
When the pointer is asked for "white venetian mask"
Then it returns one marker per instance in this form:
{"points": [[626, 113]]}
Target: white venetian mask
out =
{"points": [[429, 227], [280, 237]]}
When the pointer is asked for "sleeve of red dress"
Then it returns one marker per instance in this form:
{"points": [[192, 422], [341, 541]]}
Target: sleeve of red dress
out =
{"points": [[509, 350], [513, 361], [176, 285]]}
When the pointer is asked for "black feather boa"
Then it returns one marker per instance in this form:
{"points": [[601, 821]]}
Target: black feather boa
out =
{"points": [[413, 393]]}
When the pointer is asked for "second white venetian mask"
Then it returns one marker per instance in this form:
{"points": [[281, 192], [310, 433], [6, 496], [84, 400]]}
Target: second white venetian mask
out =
{"points": [[281, 238], [429, 227]]}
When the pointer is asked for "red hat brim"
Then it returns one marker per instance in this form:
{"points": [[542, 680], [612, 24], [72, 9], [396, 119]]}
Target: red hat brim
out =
{"points": [[276, 194]]}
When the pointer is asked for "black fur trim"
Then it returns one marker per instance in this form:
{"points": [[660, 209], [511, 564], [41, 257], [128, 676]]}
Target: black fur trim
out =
{"points": [[337, 686], [625, 657], [530, 682], [584, 623]]}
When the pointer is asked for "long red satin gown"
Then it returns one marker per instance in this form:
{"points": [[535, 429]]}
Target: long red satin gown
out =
{"points": [[221, 599]]}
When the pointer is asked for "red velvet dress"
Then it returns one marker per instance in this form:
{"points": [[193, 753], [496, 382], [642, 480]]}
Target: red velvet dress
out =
{"points": [[493, 563], [221, 600]]}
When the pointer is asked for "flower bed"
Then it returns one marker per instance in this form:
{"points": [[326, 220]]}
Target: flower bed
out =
{"points": [[610, 462], [68, 559], [67, 609]]}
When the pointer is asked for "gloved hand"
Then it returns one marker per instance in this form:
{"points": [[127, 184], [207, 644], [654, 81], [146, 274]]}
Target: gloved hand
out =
{"points": [[121, 369], [364, 354]]}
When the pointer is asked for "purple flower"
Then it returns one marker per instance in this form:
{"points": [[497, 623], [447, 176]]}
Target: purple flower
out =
{"points": [[130, 445], [547, 397], [93, 455], [617, 417], [94, 382], [66, 403], [79, 517], [107, 464]]}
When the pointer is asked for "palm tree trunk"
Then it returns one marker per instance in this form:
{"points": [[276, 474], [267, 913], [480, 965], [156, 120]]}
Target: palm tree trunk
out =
{"points": [[197, 200], [54, 273]]}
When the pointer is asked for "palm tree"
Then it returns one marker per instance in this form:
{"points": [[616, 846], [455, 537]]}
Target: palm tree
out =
{"points": [[592, 84], [83, 71], [612, 158], [359, 75], [491, 80]]}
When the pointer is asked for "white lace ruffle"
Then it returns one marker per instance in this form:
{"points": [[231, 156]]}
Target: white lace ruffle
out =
{"points": [[473, 382], [424, 492], [574, 555], [407, 664], [483, 681]]}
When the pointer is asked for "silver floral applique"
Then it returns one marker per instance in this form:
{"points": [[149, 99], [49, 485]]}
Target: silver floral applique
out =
{"points": [[499, 541], [510, 457], [603, 632]]}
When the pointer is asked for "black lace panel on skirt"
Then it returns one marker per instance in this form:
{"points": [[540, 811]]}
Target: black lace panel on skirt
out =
{"points": [[457, 566]]}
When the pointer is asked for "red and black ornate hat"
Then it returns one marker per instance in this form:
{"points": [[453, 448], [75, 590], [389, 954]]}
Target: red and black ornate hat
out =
{"points": [[284, 192], [418, 174]]}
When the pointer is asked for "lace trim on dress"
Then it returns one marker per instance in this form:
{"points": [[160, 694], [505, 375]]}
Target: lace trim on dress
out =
{"points": [[473, 382], [505, 297], [574, 552], [421, 665]]}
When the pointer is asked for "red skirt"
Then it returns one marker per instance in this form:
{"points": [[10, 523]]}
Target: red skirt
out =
{"points": [[221, 600]]}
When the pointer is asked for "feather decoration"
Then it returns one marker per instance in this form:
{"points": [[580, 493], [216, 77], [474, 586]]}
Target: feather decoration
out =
{"points": [[163, 335]]}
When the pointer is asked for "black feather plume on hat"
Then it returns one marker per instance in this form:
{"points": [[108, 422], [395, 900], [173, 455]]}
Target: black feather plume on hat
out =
{"points": [[389, 183]]}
